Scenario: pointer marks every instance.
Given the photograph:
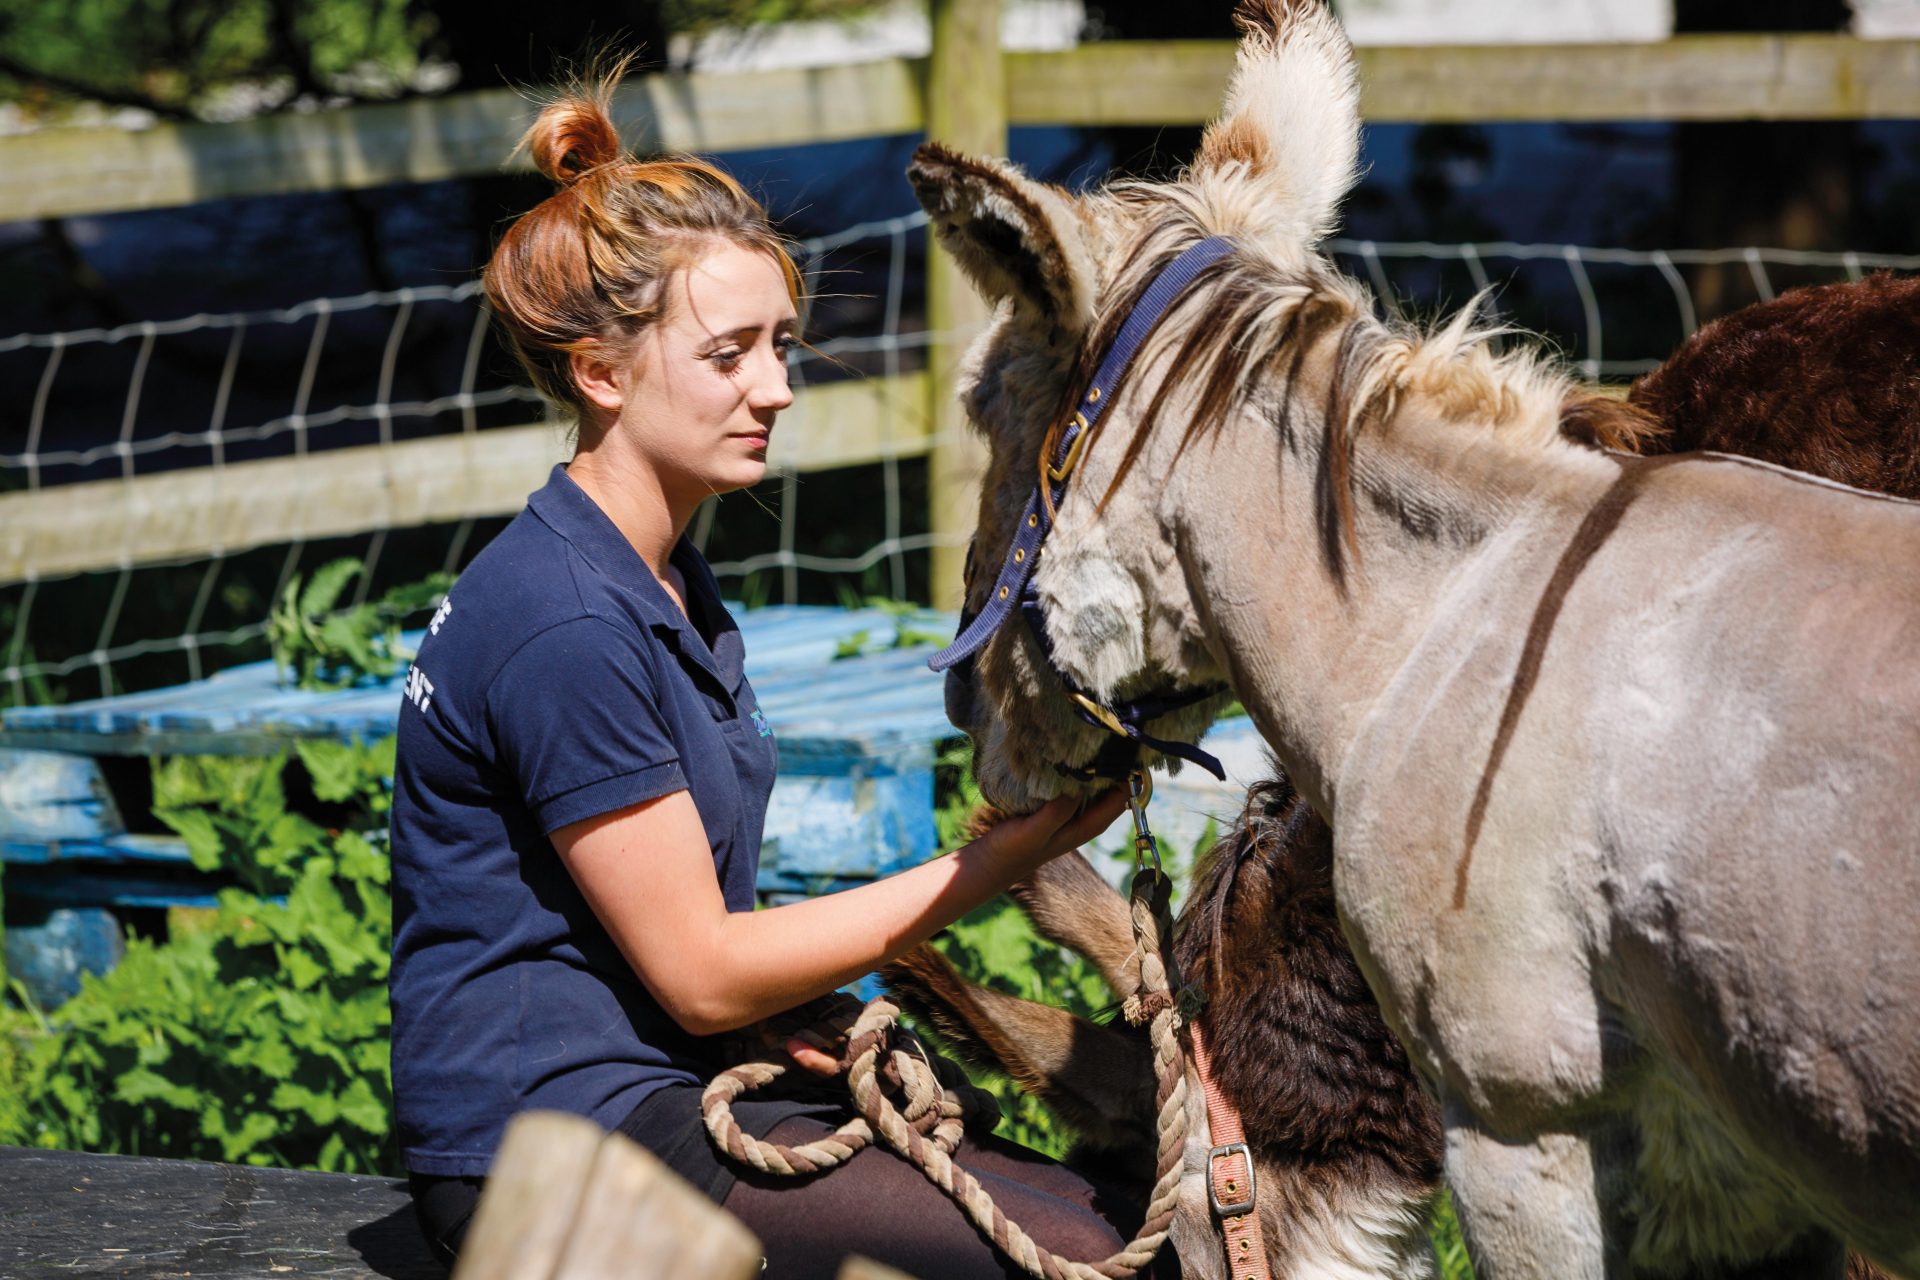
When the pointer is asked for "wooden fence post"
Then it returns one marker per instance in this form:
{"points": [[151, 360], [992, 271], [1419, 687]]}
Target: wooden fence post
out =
{"points": [[966, 109], [568, 1201]]}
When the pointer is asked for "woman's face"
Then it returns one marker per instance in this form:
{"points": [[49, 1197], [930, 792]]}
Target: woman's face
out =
{"points": [[705, 382]]}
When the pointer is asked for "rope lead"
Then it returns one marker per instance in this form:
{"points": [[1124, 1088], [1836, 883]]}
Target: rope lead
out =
{"points": [[887, 1061]]}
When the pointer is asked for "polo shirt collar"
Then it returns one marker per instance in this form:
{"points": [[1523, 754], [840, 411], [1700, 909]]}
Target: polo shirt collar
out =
{"points": [[569, 511]]}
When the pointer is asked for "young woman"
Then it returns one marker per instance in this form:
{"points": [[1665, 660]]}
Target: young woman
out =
{"points": [[583, 769]]}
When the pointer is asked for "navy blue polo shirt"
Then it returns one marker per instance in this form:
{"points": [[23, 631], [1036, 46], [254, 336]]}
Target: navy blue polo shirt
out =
{"points": [[559, 682]]}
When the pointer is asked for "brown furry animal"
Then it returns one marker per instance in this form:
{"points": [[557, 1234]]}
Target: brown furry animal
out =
{"points": [[1824, 380]]}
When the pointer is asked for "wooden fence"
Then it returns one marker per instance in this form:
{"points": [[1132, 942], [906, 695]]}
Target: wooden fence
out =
{"points": [[967, 92]]}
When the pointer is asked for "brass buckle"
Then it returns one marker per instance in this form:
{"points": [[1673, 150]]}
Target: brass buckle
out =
{"points": [[1107, 719], [1236, 1208], [1059, 474]]}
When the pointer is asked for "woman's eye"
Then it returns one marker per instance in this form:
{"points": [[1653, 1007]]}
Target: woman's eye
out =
{"points": [[727, 358], [786, 346]]}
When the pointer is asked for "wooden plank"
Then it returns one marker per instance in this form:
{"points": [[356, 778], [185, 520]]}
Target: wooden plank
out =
{"points": [[967, 97], [63, 172], [172, 515], [68, 1213], [1759, 77], [49, 950], [50, 796], [639, 1220], [883, 703], [845, 424], [1722, 77], [532, 1197], [116, 848], [568, 1201], [1138, 82]]}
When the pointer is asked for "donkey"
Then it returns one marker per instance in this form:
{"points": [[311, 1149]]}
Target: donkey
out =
{"points": [[1345, 1145], [1303, 1049], [1618, 752]]}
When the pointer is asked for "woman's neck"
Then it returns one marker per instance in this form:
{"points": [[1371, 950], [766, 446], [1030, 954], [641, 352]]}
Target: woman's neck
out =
{"points": [[631, 495]]}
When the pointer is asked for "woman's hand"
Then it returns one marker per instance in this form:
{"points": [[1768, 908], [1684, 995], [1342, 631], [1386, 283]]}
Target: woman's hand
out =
{"points": [[1062, 824]]}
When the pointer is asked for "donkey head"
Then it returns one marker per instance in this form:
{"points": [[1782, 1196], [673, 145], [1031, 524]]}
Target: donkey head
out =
{"points": [[1063, 270]]}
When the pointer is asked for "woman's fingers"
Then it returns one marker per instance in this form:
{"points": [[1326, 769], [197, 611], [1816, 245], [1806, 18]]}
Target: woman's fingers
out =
{"points": [[1091, 821], [812, 1059], [1063, 823]]}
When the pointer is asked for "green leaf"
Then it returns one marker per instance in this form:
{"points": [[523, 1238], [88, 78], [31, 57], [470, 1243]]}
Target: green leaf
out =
{"points": [[144, 1085], [329, 580], [197, 828], [316, 1106], [302, 969], [338, 769], [359, 1106]]}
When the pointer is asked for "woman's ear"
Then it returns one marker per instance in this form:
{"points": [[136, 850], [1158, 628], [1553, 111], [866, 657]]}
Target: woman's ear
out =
{"points": [[601, 378]]}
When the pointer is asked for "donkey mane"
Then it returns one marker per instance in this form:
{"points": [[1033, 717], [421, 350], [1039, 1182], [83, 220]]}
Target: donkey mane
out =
{"points": [[1260, 313]]}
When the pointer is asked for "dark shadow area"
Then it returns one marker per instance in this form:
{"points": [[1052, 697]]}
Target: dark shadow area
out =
{"points": [[392, 1246]]}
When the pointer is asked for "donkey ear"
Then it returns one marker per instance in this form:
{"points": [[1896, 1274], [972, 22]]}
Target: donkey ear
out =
{"points": [[1291, 128], [1014, 237]]}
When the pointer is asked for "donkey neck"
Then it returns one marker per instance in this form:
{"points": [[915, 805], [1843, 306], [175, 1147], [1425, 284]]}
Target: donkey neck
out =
{"points": [[1451, 519]]}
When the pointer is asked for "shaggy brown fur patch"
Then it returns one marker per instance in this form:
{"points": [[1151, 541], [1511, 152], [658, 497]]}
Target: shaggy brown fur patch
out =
{"points": [[1606, 422], [1235, 139], [1301, 1048], [1823, 379]]}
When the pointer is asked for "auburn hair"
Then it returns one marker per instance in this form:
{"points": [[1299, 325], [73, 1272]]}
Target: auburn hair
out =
{"points": [[589, 266]]}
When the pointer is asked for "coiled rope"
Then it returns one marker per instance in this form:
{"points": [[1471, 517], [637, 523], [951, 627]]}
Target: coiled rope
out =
{"points": [[885, 1060]]}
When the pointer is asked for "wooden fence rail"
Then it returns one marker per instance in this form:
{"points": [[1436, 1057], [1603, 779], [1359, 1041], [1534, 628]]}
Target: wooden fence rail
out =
{"points": [[172, 515], [61, 172]]}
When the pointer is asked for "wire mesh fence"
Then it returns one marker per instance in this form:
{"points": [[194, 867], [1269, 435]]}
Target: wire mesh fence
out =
{"points": [[378, 369]]}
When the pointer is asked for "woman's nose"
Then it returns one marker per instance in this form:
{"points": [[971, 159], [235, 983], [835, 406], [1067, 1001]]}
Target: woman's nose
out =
{"points": [[771, 389]]}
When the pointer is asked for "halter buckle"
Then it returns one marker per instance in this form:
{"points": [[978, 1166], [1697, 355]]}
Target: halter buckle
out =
{"points": [[1060, 473], [1106, 718], [1233, 1208]]}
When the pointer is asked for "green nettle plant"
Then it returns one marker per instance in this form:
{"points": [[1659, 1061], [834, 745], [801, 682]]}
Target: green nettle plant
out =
{"points": [[261, 1035], [319, 645]]}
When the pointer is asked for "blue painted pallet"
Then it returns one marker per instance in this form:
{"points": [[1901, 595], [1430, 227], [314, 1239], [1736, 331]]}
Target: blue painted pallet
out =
{"points": [[856, 715]]}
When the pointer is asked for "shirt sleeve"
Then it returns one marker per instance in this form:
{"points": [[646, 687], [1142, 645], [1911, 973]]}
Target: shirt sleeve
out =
{"points": [[576, 720]]}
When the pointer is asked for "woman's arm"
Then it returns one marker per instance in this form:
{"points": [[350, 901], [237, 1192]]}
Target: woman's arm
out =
{"points": [[648, 874]]}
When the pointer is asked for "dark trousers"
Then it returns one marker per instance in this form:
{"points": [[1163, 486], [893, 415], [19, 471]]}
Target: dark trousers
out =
{"points": [[879, 1206]]}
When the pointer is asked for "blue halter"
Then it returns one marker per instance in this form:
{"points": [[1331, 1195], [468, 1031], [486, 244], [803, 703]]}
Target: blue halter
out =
{"points": [[1013, 588]]}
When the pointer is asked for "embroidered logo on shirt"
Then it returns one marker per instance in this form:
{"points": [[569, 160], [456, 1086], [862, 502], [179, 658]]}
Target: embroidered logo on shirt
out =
{"points": [[440, 615], [419, 689], [760, 723]]}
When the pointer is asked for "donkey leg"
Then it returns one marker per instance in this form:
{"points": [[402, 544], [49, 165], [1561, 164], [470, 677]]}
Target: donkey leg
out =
{"points": [[1070, 904], [1097, 1079], [1529, 1209]]}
